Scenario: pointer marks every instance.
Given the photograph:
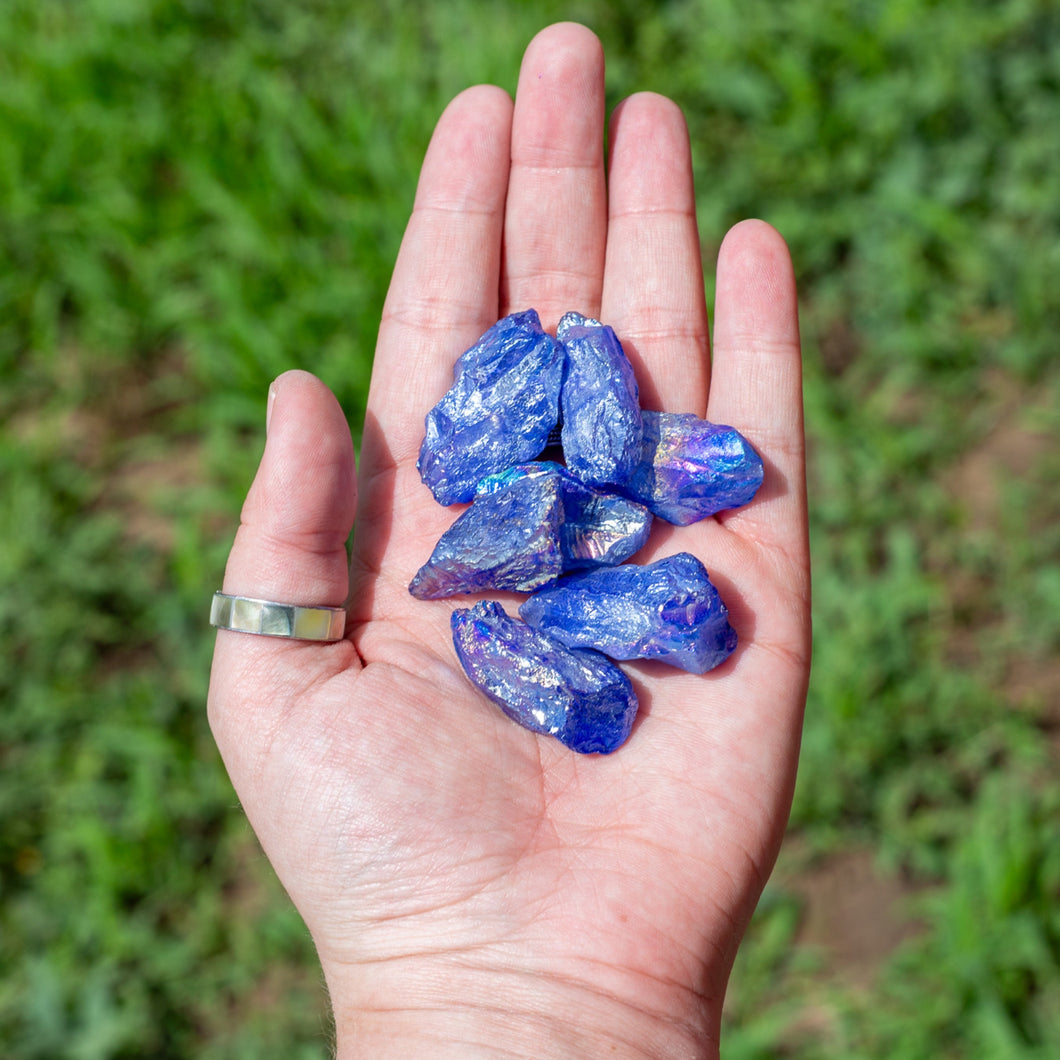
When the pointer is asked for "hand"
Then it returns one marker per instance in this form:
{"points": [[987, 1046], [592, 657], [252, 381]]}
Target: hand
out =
{"points": [[473, 888]]}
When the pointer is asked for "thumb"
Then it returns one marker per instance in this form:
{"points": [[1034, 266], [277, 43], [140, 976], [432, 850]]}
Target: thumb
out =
{"points": [[291, 544], [290, 548]]}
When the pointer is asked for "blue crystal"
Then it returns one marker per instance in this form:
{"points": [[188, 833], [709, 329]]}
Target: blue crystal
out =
{"points": [[525, 527], [503, 402], [508, 539], [691, 468], [542, 470], [668, 611], [599, 403], [579, 697], [601, 529], [564, 534], [598, 528]]}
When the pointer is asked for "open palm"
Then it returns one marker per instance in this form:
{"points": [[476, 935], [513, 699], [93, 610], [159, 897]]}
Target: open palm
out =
{"points": [[473, 887]]}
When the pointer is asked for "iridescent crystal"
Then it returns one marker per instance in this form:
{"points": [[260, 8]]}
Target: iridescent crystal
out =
{"points": [[503, 402], [602, 428], [508, 539], [691, 468], [668, 610], [578, 696], [601, 529], [525, 527], [564, 533]]}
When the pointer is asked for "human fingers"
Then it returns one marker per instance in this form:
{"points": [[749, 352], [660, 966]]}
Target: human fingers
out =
{"points": [[653, 280], [442, 297], [757, 380], [556, 214], [443, 292], [290, 548]]}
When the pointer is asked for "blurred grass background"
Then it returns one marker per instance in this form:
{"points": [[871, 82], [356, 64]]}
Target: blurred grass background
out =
{"points": [[198, 194]]}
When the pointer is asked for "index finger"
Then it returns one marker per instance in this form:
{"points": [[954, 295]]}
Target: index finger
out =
{"points": [[442, 296], [443, 292]]}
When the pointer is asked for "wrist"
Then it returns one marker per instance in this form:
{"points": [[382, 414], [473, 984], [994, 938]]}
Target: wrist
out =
{"points": [[447, 1007]]}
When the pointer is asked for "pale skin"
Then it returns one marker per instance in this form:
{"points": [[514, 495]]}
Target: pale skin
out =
{"points": [[473, 889]]}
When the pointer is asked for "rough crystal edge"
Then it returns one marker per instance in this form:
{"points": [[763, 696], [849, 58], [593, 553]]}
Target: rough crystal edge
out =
{"points": [[602, 434], [684, 506], [577, 542], [578, 733], [440, 470], [587, 609]]}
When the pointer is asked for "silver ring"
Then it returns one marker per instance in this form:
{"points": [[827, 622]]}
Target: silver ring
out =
{"points": [[270, 619]]}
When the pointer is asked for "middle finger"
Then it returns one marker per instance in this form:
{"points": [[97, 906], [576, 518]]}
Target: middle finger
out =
{"points": [[556, 212]]}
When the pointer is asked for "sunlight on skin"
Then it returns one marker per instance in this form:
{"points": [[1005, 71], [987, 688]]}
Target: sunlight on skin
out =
{"points": [[474, 889]]}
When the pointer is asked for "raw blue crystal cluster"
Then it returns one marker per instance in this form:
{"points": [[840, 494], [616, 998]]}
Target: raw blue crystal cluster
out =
{"points": [[597, 527], [503, 402], [602, 425], [578, 696], [564, 533], [669, 610], [526, 527], [691, 468]]}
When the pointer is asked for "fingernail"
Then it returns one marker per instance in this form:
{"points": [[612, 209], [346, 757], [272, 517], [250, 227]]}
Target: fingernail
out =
{"points": [[269, 405]]}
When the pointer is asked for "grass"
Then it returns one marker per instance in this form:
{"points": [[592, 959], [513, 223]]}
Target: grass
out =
{"points": [[196, 196]]}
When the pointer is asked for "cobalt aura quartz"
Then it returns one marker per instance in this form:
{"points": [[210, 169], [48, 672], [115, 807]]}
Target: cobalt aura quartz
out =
{"points": [[564, 533], [599, 402], [577, 696], [668, 610], [502, 405], [527, 526], [691, 468]]}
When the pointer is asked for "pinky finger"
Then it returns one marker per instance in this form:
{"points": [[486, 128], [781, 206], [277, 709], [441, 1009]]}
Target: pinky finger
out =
{"points": [[756, 384]]}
